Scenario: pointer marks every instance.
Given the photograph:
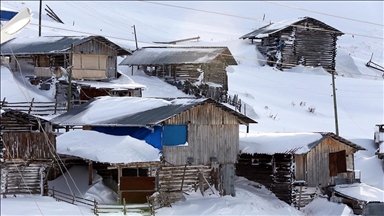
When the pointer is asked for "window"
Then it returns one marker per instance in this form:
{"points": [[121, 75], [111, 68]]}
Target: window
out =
{"points": [[174, 135]]}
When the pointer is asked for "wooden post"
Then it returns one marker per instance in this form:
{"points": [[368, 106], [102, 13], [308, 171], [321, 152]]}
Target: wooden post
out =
{"points": [[53, 192], [299, 204], [119, 194], [73, 198], [182, 181], [3, 102], [30, 107], [125, 207], [95, 206], [90, 170]]}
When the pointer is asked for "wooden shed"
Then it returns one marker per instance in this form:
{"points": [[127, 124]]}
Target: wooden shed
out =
{"points": [[94, 57], [187, 67], [280, 160], [27, 147], [305, 41], [199, 138]]}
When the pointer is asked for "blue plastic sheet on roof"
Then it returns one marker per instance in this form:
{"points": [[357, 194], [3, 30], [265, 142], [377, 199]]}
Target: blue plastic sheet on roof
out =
{"points": [[151, 137], [7, 15]]}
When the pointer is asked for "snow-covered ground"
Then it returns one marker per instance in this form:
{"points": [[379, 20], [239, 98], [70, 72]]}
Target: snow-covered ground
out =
{"points": [[279, 101]]}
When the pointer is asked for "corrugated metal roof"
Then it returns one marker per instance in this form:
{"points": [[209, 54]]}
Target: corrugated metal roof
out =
{"points": [[178, 55], [136, 113], [52, 44], [272, 28]]}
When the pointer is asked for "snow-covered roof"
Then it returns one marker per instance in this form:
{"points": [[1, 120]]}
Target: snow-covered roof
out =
{"points": [[134, 111], [272, 28], [110, 85], [360, 191], [52, 45], [105, 148], [178, 55], [296, 143]]}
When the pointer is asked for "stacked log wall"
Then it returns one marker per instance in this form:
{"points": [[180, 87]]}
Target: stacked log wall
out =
{"points": [[275, 172]]}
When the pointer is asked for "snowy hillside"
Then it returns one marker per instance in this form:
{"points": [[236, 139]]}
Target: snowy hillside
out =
{"points": [[278, 101]]}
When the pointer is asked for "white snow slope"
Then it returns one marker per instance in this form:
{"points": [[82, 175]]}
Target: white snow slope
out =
{"points": [[279, 101]]}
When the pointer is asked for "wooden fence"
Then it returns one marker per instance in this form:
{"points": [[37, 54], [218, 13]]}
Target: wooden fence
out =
{"points": [[143, 209], [35, 108]]}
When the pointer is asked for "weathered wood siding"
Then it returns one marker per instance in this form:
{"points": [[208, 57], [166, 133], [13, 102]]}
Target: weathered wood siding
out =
{"points": [[24, 179], [300, 166], [212, 132], [98, 48], [28, 146], [318, 161]]}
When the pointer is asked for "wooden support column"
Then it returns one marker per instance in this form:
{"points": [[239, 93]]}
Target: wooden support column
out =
{"points": [[90, 170], [119, 174]]}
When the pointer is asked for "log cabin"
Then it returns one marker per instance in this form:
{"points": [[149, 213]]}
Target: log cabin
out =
{"points": [[93, 57], [187, 67], [304, 41], [281, 160], [27, 150], [198, 138]]}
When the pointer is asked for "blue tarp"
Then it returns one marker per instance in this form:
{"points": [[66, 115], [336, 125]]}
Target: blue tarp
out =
{"points": [[151, 137], [7, 15]]}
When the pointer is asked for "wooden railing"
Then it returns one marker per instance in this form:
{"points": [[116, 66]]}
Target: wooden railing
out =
{"points": [[143, 209], [34, 108]]}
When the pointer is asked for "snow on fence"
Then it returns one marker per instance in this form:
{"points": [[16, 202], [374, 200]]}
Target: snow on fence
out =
{"points": [[34, 108], [143, 209]]}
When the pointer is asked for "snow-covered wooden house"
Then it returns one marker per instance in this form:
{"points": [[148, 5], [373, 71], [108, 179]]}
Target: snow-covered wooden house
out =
{"points": [[280, 160], [196, 70], [94, 57], [304, 41], [27, 147], [199, 138]]}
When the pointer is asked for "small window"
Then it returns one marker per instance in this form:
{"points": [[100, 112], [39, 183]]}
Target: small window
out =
{"points": [[174, 135]]}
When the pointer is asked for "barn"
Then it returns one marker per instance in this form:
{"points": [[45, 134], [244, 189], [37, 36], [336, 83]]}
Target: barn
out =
{"points": [[187, 67], [198, 138], [304, 41], [282, 160], [93, 57], [27, 147]]}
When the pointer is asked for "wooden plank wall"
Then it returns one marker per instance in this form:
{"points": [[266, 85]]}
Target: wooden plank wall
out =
{"points": [[24, 179], [212, 132], [28, 146], [318, 161], [96, 47]]}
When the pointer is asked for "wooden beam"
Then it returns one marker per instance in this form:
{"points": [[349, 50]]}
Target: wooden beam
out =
{"points": [[90, 170]]}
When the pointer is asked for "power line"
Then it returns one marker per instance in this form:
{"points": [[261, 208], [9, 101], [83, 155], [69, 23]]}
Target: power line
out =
{"points": [[326, 14], [259, 20]]}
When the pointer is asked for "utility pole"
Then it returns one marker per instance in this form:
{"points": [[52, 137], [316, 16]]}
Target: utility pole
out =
{"points": [[41, 6], [134, 32], [334, 102], [69, 93]]}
